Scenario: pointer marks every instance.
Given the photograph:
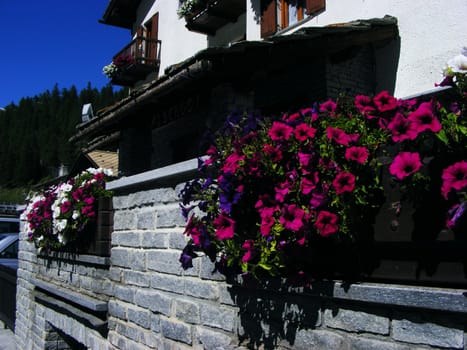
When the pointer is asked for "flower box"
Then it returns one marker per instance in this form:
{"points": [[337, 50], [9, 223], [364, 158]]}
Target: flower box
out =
{"points": [[74, 217]]}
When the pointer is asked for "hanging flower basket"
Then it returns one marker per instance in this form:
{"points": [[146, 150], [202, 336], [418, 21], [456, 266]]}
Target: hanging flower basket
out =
{"points": [[73, 217], [315, 192]]}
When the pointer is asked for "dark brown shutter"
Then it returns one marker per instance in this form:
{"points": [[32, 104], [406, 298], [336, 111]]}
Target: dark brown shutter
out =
{"points": [[154, 35], [268, 18], [314, 6], [137, 54]]}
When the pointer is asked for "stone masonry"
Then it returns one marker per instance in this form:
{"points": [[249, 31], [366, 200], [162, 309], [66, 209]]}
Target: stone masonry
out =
{"points": [[141, 298]]}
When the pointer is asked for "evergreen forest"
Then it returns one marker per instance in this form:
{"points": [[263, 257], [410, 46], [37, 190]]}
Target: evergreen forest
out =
{"points": [[34, 134]]}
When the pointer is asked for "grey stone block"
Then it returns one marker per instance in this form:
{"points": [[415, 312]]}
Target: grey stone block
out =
{"points": [[306, 339], [361, 343], [141, 317], [356, 321], [154, 240], [177, 240], [187, 311], [201, 289], [137, 259], [124, 293], [154, 301], [120, 202], [135, 278], [169, 216], [124, 220], [208, 270], [212, 340], [146, 219], [218, 317], [422, 331], [120, 257], [117, 309], [166, 261], [168, 283], [126, 239], [176, 330]]}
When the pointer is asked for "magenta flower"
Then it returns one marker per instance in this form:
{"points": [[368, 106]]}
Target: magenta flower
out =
{"points": [[224, 226], [309, 184], [424, 119], [326, 223], [292, 217], [329, 106], [304, 132], [192, 230], [232, 163], [304, 158], [364, 104], [280, 131], [357, 154], [273, 152], [267, 220], [281, 191], [385, 102], [65, 207], [405, 164], [249, 246], [338, 135], [88, 211], [454, 177], [402, 129], [344, 182]]}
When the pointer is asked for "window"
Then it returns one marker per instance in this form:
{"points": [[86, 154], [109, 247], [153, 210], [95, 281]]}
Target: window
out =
{"points": [[279, 14], [147, 40]]}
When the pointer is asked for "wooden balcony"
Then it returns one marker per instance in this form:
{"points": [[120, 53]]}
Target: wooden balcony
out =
{"points": [[214, 15], [136, 61]]}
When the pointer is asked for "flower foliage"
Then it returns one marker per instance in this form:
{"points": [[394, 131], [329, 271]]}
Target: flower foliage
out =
{"points": [[271, 186], [59, 214], [188, 6], [116, 66]]}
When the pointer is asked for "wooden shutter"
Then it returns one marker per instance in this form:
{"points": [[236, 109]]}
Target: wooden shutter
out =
{"points": [[268, 18], [138, 52], [154, 35], [314, 6]]}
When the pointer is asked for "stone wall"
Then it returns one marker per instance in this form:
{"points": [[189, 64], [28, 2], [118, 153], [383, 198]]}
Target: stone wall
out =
{"points": [[145, 300]]}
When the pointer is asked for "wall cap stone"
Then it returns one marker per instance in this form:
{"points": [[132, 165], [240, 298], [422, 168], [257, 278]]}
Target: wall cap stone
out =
{"points": [[77, 298]]}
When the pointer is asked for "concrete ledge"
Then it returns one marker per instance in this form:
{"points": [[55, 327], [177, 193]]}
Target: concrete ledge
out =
{"points": [[171, 174], [74, 297], [442, 299], [101, 261], [88, 320]]}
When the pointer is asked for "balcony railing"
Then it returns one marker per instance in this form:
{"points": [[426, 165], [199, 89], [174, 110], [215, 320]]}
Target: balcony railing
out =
{"points": [[136, 60], [214, 15]]}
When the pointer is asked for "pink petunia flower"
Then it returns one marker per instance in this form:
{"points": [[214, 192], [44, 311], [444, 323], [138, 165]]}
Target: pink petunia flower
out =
{"points": [[292, 217], [405, 164], [232, 163], [402, 129], [273, 152], [424, 119], [65, 207], [326, 223], [281, 191], [338, 135], [224, 226], [280, 131], [267, 220], [249, 246], [364, 104], [309, 183], [357, 154], [329, 106], [385, 102], [344, 182], [454, 178], [304, 132]]}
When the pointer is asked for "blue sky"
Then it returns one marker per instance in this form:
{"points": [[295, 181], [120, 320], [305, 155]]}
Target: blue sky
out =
{"points": [[50, 41]]}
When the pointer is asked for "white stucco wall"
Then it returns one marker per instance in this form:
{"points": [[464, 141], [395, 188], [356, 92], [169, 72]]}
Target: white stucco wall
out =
{"points": [[431, 31], [178, 43]]}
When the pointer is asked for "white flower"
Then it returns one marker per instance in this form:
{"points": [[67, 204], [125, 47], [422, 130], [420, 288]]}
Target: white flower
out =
{"points": [[75, 215], [457, 64], [108, 172], [60, 225]]}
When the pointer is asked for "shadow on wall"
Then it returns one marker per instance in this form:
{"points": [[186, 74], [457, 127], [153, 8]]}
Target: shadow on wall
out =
{"points": [[269, 317], [387, 62]]}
